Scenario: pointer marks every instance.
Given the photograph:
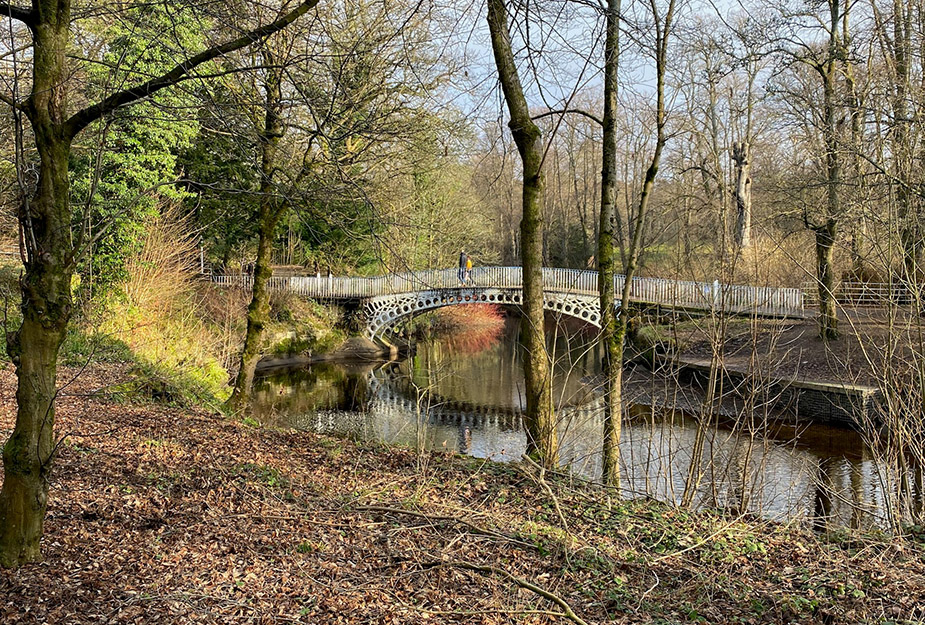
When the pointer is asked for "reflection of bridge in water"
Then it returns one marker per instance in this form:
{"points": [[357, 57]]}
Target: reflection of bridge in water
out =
{"points": [[398, 393], [779, 477], [571, 292]]}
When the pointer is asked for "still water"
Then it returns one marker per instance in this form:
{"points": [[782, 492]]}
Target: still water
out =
{"points": [[465, 394]]}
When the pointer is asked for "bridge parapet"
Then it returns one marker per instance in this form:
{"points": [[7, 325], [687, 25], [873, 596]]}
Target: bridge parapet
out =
{"points": [[566, 289]]}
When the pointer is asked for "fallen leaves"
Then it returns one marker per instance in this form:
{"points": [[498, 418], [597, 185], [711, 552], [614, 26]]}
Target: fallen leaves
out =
{"points": [[160, 515]]}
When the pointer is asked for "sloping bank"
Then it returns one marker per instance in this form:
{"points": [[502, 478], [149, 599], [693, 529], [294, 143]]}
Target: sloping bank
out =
{"points": [[160, 514]]}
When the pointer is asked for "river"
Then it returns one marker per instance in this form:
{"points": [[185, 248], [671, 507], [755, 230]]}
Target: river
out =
{"points": [[465, 394]]}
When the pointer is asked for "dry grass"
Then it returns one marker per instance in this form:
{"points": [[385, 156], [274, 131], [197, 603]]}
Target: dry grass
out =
{"points": [[160, 316]]}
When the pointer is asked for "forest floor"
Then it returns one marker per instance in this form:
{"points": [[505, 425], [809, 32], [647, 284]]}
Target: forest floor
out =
{"points": [[167, 515], [870, 342]]}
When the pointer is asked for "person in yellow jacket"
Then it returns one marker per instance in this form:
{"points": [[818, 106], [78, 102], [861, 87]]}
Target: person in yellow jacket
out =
{"points": [[468, 270]]}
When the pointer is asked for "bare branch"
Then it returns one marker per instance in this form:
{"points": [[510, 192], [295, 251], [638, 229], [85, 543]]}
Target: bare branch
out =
{"points": [[24, 15], [590, 116]]}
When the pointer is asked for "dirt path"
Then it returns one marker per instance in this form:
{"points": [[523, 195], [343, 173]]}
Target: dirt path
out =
{"points": [[870, 343]]}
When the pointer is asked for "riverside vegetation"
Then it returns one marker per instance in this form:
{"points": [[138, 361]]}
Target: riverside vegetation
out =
{"points": [[167, 510]]}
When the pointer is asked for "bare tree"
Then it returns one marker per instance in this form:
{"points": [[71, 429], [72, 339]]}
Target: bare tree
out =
{"points": [[542, 438]]}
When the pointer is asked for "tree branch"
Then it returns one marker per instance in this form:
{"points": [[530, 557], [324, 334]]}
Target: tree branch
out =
{"points": [[525, 584], [26, 16], [82, 118], [590, 116]]}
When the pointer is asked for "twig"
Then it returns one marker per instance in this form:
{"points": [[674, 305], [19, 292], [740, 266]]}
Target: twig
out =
{"points": [[472, 526], [646, 593], [567, 611], [542, 482]]}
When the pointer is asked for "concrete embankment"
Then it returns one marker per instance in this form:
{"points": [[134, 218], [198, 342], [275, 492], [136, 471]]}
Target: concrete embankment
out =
{"points": [[834, 403]]}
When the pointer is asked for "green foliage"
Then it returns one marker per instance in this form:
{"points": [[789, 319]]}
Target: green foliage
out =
{"points": [[190, 387], [220, 165], [81, 347], [125, 164]]}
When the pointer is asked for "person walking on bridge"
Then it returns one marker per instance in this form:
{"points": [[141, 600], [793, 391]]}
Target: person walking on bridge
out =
{"points": [[468, 279], [463, 261]]}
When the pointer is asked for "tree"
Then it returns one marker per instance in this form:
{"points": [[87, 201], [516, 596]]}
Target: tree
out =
{"points": [[822, 95], [344, 98], [613, 324], [50, 252], [542, 438]]}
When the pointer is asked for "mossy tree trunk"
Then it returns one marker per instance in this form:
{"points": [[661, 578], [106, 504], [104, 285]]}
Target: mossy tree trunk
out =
{"points": [[50, 254], [46, 298], [615, 325], [542, 439], [825, 227], [825, 278], [270, 211]]}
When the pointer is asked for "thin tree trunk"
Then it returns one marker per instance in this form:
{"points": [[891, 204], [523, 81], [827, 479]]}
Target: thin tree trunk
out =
{"points": [[825, 278], [542, 439], [826, 231], [613, 327], [269, 214]]}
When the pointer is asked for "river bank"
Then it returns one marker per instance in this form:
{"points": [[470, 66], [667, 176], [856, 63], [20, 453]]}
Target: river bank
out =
{"points": [[160, 514]]}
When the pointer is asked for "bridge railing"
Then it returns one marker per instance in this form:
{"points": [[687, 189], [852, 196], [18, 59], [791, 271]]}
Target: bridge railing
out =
{"points": [[710, 296]]}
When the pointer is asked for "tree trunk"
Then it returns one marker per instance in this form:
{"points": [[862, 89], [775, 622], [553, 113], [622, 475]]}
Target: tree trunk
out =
{"points": [[743, 195], [825, 277], [613, 327], [542, 439], [46, 303], [825, 232], [270, 212]]}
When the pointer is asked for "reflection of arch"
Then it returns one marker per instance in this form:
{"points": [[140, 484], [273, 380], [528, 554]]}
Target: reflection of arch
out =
{"points": [[384, 311], [450, 412]]}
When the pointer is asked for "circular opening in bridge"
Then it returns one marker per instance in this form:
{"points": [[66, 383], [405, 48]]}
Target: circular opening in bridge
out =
{"points": [[584, 314], [468, 298], [405, 308], [594, 318], [491, 298], [568, 308], [517, 299]]}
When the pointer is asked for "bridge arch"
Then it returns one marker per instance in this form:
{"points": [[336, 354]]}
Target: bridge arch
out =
{"points": [[384, 311]]}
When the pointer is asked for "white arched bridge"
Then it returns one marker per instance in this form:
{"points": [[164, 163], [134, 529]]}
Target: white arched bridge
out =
{"points": [[573, 292]]}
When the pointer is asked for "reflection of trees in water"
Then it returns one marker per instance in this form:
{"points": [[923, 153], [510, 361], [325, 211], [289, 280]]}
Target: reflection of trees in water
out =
{"points": [[814, 472], [493, 375], [322, 386]]}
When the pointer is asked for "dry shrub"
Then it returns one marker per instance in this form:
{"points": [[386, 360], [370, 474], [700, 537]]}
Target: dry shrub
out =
{"points": [[225, 309], [163, 271], [160, 316], [787, 262]]}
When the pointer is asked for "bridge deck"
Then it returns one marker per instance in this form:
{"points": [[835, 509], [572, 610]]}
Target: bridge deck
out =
{"points": [[707, 296]]}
